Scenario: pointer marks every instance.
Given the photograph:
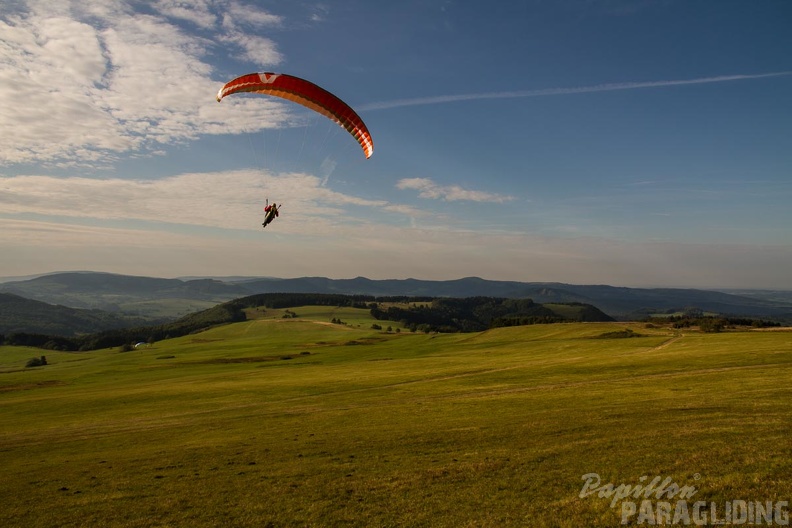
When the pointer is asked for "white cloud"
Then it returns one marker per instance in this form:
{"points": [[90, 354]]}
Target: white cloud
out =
{"points": [[451, 193], [259, 50], [87, 82], [196, 11], [320, 13], [249, 15]]}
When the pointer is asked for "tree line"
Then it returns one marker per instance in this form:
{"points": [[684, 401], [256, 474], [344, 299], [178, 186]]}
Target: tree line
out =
{"points": [[708, 323]]}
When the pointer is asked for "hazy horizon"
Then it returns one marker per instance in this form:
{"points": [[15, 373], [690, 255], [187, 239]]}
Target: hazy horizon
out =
{"points": [[233, 278]]}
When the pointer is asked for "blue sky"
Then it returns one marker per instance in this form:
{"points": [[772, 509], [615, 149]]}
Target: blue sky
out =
{"points": [[634, 143]]}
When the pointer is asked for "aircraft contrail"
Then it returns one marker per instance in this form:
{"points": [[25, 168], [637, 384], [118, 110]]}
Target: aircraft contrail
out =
{"points": [[439, 99]]}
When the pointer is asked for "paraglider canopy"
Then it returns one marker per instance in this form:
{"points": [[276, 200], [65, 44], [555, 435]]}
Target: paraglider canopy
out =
{"points": [[307, 94]]}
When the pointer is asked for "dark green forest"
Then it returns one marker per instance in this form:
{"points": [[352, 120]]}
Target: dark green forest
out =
{"points": [[474, 314]]}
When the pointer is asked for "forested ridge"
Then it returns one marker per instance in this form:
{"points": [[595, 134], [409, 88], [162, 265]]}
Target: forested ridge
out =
{"points": [[416, 313]]}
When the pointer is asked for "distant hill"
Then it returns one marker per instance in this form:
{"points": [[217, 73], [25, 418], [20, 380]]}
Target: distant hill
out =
{"points": [[18, 314], [143, 297], [618, 302], [780, 296], [158, 298]]}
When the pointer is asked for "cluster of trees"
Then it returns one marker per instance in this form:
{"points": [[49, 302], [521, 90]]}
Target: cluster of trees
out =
{"points": [[471, 314], [527, 320], [290, 300], [375, 326], [620, 334], [44, 341], [36, 362], [711, 323]]}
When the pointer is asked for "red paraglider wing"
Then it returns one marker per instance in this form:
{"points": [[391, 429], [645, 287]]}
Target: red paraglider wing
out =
{"points": [[307, 94]]}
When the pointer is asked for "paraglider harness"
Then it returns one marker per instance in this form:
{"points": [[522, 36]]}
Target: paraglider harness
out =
{"points": [[272, 212]]}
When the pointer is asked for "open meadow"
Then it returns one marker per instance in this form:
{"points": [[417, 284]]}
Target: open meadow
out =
{"points": [[301, 422]]}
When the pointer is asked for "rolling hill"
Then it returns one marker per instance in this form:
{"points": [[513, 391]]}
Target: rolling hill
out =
{"points": [[147, 298], [297, 422], [157, 298], [18, 314]]}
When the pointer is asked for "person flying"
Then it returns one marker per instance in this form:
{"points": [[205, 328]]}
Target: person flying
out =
{"points": [[272, 212]]}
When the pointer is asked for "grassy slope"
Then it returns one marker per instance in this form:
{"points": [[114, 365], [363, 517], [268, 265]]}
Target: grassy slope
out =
{"points": [[373, 429]]}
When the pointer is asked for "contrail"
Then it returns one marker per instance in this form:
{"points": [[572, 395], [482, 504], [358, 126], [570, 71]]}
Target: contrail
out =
{"points": [[439, 99]]}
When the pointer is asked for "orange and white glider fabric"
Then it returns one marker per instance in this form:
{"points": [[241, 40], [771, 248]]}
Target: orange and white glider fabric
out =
{"points": [[307, 94]]}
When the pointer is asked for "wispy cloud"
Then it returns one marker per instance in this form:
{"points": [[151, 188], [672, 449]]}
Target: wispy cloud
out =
{"points": [[450, 193], [441, 99], [225, 200]]}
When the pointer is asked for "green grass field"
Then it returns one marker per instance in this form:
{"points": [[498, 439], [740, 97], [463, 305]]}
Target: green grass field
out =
{"points": [[300, 422]]}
